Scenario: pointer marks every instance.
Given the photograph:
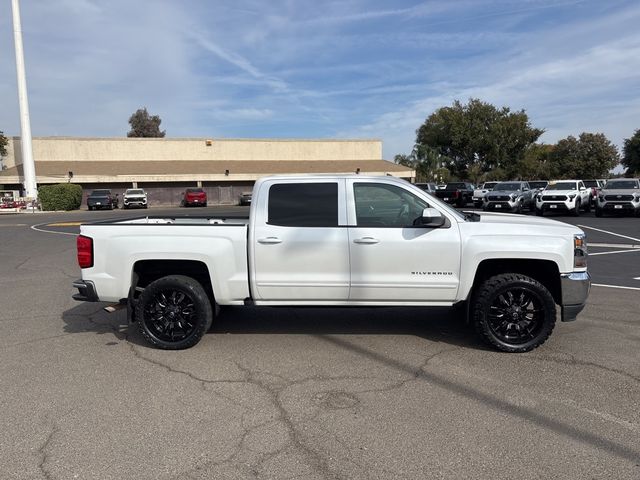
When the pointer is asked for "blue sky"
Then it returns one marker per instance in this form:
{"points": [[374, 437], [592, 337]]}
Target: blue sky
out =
{"points": [[321, 69]]}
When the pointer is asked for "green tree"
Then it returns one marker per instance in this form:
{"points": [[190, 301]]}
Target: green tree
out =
{"points": [[145, 125], [476, 134], [3, 144], [424, 160], [631, 154], [591, 155], [535, 164]]}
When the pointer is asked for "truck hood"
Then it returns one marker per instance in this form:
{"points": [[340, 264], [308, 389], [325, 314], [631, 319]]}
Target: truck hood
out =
{"points": [[503, 192], [560, 192], [628, 191], [525, 220]]}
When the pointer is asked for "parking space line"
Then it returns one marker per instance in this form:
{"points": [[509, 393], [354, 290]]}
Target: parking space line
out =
{"points": [[35, 227], [614, 286], [615, 251], [613, 245], [610, 233]]}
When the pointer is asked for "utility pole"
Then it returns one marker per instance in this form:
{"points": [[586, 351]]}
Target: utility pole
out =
{"points": [[28, 165]]}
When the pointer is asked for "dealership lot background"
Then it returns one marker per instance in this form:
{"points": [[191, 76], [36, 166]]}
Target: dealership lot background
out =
{"points": [[310, 393]]}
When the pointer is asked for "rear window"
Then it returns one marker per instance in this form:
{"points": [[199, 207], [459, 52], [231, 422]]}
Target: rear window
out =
{"points": [[195, 190], [456, 186], [101, 192], [303, 205]]}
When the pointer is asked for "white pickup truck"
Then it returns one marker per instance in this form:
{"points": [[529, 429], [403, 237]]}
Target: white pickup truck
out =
{"points": [[338, 241]]}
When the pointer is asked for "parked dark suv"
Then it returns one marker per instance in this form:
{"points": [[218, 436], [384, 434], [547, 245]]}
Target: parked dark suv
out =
{"points": [[194, 197], [99, 199]]}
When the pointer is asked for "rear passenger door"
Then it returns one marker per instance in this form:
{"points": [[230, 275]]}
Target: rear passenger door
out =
{"points": [[299, 242]]}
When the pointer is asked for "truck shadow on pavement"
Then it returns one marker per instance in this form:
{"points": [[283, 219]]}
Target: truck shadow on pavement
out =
{"points": [[434, 325]]}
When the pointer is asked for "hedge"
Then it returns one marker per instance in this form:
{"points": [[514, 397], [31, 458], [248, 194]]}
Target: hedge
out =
{"points": [[63, 196]]}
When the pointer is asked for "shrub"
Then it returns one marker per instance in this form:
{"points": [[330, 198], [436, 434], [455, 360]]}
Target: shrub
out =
{"points": [[63, 196]]}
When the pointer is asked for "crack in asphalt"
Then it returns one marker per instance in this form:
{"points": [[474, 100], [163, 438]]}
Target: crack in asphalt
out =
{"points": [[43, 452], [573, 361]]}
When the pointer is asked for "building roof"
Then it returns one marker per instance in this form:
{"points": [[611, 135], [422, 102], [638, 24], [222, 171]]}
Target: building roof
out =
{"points": [[156, 171]]}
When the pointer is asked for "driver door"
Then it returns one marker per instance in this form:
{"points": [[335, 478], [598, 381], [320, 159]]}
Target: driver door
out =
{"points": [[393, 260]]}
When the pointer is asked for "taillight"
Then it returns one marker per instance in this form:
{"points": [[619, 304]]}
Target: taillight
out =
{"points": [[85, 251]]}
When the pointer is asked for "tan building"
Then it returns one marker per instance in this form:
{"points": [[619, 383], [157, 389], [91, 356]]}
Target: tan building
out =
{"points": [[164, 167]]}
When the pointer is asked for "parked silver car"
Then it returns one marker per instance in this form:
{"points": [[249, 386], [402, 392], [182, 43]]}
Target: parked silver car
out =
{"points": [[620, 195], [509, 196]]}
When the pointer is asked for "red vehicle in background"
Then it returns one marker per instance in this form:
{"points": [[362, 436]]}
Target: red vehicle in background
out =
{"points": [[194, 197], [595, 186]]}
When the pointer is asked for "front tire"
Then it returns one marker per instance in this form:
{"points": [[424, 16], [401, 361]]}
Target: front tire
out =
{"points": [[539, 212], [174, 312], [598, 212], [576, 211], [513, 312], [587, 207]]}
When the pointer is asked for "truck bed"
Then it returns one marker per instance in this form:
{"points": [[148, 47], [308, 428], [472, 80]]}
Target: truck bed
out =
{"points": [[218, 243]]}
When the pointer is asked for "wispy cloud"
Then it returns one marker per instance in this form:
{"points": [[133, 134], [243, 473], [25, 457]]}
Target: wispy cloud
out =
{"points": [[372, 68]]}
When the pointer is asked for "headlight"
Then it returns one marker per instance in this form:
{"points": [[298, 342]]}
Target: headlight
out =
{"points": [[601, 198], [580, 250], [571, 197]]}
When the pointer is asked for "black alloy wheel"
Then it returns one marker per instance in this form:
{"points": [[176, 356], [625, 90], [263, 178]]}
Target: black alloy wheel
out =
{"points": [[513, 312], [174, 312], [515, 315]]}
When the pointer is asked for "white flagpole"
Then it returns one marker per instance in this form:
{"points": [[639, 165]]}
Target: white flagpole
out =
{"points": [[28, 165]]}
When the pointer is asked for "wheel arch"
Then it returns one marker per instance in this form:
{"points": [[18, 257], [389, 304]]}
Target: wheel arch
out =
{"points": [[544, 271], [146, 271]]}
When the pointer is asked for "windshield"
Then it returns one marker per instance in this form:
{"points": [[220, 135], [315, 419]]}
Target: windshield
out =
{"points": [[538, 184], [135, 192], [562, 186], [489, 184], [622, 185], [505, 186], [590, 183]]}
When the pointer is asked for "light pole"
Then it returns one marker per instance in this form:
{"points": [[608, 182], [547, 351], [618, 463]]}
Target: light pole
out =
{"points": [[28, 165]]}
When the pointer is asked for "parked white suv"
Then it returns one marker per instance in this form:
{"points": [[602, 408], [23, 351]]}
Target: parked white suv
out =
{"points": [[567, 196], [134, 197]]}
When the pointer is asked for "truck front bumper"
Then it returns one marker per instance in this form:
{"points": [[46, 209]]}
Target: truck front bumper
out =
{"points": [[575, 290], [86, 291]]}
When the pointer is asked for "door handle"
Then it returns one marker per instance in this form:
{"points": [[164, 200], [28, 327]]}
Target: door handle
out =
{"points": [[269, 240], [366, 240]]}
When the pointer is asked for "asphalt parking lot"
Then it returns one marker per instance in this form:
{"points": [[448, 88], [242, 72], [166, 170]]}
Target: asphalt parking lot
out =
{"points": [[310, 393]]}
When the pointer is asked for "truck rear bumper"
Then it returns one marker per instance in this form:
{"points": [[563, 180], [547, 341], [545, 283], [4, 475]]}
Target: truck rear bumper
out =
{"points": [[86, 291], [575, 290]]}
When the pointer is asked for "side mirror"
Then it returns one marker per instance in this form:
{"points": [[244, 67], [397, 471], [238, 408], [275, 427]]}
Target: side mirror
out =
{"points": [[431, 217], [582, 189]]}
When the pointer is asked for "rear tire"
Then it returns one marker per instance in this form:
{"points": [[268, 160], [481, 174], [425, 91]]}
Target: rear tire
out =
{"points": [[513, 312], [174, 312]]}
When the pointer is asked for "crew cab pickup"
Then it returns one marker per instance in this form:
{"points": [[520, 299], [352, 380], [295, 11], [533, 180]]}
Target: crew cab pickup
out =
{"points": [[345, 240], [458, 193]]}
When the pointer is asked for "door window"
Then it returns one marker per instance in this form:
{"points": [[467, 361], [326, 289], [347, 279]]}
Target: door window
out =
{"points": [[303, 205], [382, 205]]}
